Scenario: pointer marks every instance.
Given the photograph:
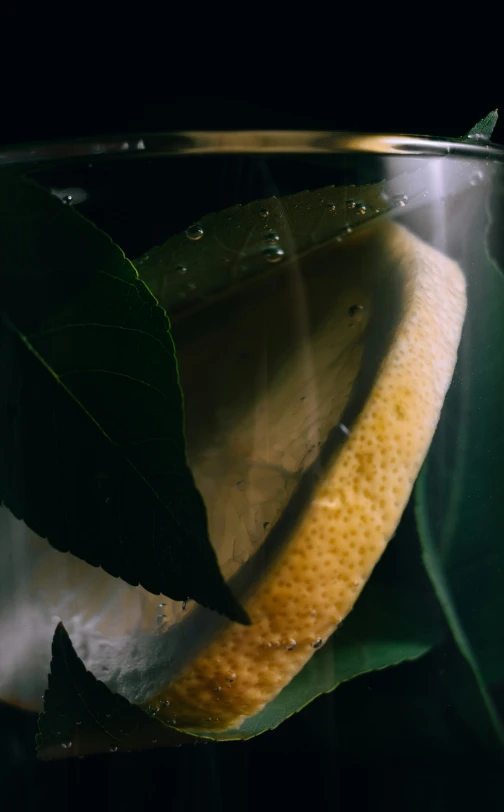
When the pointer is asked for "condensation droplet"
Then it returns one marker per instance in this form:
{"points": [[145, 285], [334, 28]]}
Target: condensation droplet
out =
{"points": [[194, 232], [273, 254], [263, 212], [271, 237], [181, 269], [317, 643]]}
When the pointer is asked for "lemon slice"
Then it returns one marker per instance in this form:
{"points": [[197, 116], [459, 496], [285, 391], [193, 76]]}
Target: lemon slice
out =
{"points": [[311, 400]]}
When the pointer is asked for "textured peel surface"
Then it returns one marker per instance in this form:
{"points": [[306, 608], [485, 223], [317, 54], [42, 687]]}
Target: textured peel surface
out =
{"points": [[352, 513]]}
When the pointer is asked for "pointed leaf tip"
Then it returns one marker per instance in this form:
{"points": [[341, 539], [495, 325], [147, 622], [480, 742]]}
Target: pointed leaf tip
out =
{"points": [[482, 131]]}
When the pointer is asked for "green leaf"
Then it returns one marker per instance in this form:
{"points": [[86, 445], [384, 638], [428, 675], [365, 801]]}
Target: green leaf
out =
{"points": [[82, 716], [242, 243], [395, 619], [459, 507], [482, 131], [92, 451]]}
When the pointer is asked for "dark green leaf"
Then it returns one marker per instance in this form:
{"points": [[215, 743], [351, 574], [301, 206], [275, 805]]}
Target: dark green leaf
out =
{"points": [[82, 716], [459, 503], [244, 242], [396, 618], [92, 452]]}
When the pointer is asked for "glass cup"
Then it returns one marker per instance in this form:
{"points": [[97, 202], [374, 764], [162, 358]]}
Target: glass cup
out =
{"points": [[277, 355]]}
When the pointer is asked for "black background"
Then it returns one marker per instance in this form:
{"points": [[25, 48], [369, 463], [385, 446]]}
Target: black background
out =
{"points": [[307, 761]]}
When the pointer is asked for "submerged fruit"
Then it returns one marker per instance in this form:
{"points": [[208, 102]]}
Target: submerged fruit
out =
{"points": [[311, 399]]}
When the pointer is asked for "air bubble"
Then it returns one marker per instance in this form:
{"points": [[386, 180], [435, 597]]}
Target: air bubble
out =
{"points": [[194, 232], [399, 200], [273, 254], [181, 269], [353, 309], [476, 178], [271, 237]]}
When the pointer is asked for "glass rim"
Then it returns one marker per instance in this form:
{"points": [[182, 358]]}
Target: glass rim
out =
{"points": [[271, 142]]}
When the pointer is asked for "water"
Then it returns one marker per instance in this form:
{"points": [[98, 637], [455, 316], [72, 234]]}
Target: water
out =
{"points": [[283, 312]]}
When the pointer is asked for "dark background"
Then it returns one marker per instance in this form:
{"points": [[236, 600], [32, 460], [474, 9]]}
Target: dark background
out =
{"points": [[324, 755]]}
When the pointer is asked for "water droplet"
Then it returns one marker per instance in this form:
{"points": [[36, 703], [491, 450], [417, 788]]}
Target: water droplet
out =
{"points": [[194, 232], [108, 715], [313, 613], [154, 741], [331, 207], [266, 525], [385, 197], [164, 703], [107, 500], [351, 204], [78, 722], [240, 484], [291, 645], [113, 749], [263, 212], [273, 254], [184, 604], [271, 237], [67, 200], [347, 230], [160, 605], [360, 208], [231, 676], [218, 689], [191, 286], [476, 178], [160, 620], [399, 200], [66, 745], [140, 144], [354, 309], [344, 429], [90, 166], [181, 269], [317, 643], [182, 294]]}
